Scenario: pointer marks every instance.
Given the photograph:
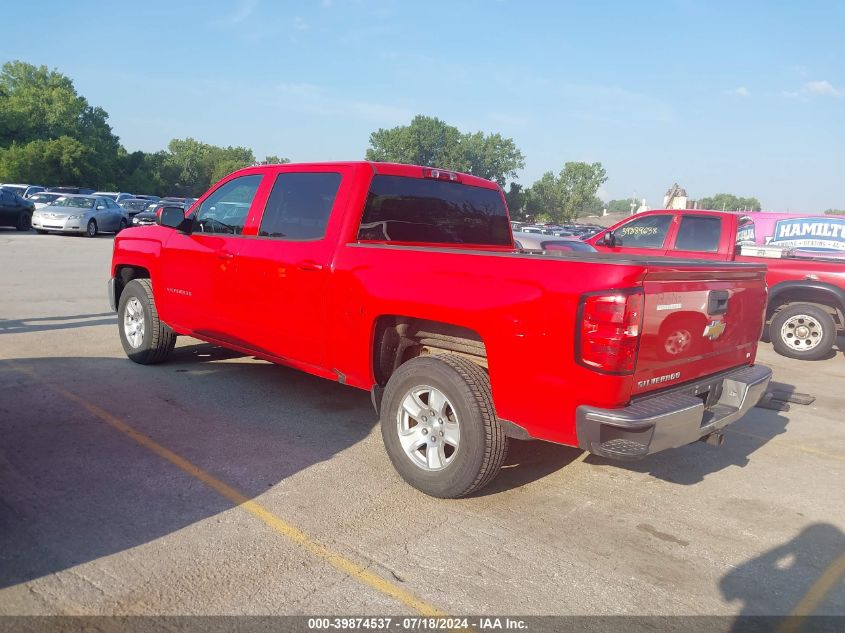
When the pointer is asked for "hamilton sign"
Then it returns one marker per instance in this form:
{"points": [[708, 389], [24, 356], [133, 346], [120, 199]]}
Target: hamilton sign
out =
{"points": [[812, 234]]}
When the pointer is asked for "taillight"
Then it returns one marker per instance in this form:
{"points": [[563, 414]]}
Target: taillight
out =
{"points": [[609, 331], [441, 174]]}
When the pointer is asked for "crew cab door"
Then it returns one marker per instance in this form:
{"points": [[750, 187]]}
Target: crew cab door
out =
{"points": [[198, 290], [701, 236], [643, 235], [283, 269]]}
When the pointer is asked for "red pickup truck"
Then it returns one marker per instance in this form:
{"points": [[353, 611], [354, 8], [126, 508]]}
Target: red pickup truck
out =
{"points": [[404, 281], [806, 307]]}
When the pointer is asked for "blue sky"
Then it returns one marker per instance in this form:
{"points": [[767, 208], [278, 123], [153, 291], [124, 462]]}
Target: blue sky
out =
{"points": [[742, 97]]}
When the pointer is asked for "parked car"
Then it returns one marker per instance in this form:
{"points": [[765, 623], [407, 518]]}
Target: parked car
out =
{"points": [[85, 191], [117, 196], [135, 206], [404, 281], [24, 191], [15, 211], [44, 198], [148, 197], [187, 202], [806, 304], [153, 210], [540, 242], [87, 215]]}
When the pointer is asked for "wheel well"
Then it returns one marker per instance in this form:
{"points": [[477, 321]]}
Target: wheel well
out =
{"points": [[398, 339], [125, 274], [824, 300]]}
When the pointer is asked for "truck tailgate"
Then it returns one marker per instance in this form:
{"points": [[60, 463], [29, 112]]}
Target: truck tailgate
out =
{"points": [[697, 323]]}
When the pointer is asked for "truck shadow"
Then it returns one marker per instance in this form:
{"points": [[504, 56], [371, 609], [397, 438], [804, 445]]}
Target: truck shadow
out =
{"points": [[804, 574], [73, 488]]}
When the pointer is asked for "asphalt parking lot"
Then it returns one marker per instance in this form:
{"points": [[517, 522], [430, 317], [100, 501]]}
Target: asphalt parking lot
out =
{"points": [[218, 484]]}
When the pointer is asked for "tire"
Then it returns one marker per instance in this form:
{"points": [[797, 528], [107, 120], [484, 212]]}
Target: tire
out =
{"points": [[121, 226], [155, 340], [24, 222], [91, 229], [787, 334], [478, 456]]}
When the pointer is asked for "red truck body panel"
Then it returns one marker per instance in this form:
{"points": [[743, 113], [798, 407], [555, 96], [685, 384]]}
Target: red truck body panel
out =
{"points": [[314, 304]]}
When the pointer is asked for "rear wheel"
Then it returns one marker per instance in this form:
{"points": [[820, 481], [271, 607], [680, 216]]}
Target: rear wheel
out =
{"points": [[803, 330], [91, 229], [121, 226], [24, 222], [145, 338], [440, 428]]}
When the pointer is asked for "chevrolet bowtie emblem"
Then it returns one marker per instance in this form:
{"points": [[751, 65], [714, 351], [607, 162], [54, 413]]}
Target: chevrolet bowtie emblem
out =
{"points": [[714, 330]]}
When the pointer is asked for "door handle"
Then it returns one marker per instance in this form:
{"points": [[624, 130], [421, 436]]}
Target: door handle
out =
{"points": [[225, 255], [309, 265]]}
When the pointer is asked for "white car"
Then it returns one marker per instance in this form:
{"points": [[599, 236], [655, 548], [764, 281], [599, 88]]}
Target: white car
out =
{"points": [[88, 215]]}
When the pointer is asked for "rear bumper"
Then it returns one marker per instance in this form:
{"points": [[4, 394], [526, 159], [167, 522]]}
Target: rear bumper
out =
{"points": [[672, 419]]}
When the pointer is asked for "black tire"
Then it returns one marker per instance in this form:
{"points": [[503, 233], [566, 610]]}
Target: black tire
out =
{"points": [[158, 339], [41, 231], [121, 226], [24, 222], [483, 443], [818, 321], [91, 229]]}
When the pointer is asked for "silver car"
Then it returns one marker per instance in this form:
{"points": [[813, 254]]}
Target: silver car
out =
{"points": [[540, 242], [88, 215]]}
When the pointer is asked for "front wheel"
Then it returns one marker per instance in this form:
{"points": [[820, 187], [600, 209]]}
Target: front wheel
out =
{"points": [[145, 338], [24, 222], [802, 330], [440, 428], [91, 229], [121, 226]]}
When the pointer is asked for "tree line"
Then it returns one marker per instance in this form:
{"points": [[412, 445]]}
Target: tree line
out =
{"points": [[50, 134]]}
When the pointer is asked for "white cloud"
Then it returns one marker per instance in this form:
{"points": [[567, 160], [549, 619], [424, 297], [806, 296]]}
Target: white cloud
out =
{"points": [[821, 87], [742, 91]]}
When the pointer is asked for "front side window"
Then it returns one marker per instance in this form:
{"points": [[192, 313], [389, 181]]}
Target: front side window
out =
{"points": [[699, 233], [402, 209], [299, 206], [647, 232], [226, 209]]}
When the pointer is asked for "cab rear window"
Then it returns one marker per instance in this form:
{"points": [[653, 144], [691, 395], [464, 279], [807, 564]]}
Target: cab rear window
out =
{"points": [[402, 209]]}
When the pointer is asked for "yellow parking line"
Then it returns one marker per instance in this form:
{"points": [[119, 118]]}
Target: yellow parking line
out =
{"points": [[829, 578], [799, 447], [279, 525]]}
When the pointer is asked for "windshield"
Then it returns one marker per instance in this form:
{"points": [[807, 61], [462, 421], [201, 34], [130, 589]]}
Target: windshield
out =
{"points": [[44, 197], [135, 205], [78, 203]]}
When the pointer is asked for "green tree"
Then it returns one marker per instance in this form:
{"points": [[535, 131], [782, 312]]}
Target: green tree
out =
{"points": [[835, 212], [571, 193], [619, 206], [41, 106], [729, 202], [432, 142], [515, 198]]}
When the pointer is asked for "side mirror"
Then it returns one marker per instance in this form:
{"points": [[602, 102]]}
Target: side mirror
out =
{"points": [[174, 218], [100, 207], [608, 239]]}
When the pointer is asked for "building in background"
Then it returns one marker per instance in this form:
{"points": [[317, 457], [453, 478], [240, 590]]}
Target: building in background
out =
{"points": [[676, 198]]}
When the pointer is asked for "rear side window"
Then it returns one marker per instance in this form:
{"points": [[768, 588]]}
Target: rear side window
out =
{"points": [[401, 209], [699, 233], [299, 206], [646, 232]]}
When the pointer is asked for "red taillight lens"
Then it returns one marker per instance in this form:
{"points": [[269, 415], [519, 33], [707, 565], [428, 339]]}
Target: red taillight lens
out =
{"points": [[610, 331]]}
